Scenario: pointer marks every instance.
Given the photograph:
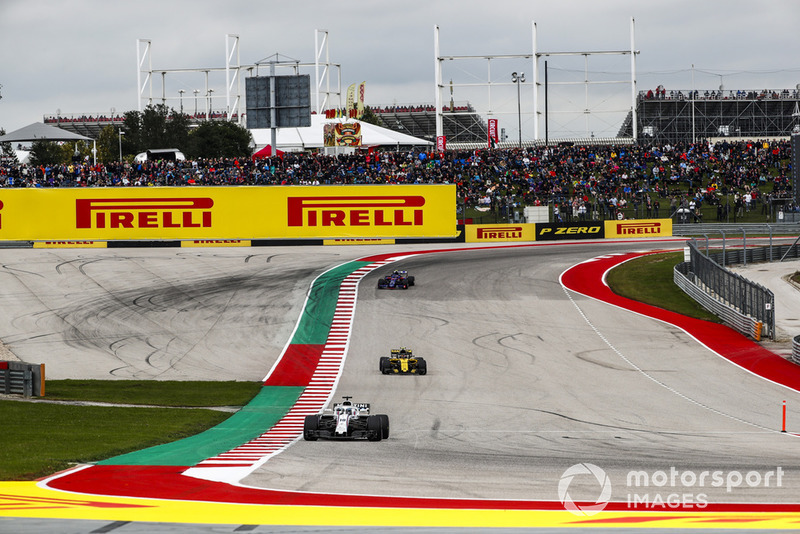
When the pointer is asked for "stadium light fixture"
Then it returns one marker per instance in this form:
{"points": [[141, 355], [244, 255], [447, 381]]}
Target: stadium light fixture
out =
{"points": [[518, 80]]}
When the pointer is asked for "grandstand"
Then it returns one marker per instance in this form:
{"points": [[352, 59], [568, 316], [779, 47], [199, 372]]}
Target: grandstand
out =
{"points": [[663, 117], [670, 117], [90, 124], [462, 124]]}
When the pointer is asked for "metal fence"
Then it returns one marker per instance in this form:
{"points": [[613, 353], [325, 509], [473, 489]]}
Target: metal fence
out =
{"points": [[743, 297], [786, 228], [741, 256], [738, 321]]}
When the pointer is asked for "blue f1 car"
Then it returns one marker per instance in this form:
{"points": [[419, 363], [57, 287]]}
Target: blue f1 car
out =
{"points": [[396, 280]]}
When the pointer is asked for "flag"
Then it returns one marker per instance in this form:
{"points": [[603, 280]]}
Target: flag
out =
{"points": [[360, 102], [351, 96], [492, 133]]}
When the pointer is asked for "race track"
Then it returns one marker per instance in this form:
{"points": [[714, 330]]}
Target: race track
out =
{"points": [[155, 314], [526, 379]]}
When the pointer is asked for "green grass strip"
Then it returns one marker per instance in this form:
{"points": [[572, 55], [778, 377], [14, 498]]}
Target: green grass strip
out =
{"points": [[649, 279], [176, 393], [39, 439], [266, 409]]}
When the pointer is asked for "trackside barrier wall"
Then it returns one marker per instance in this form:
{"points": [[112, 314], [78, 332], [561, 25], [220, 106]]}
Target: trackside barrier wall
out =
{"points": [[638, 228], [491, 233], [746, 306], [476, 233], [20, 378], [740, 322], [740, 256], [786, 228], [91, 215]]}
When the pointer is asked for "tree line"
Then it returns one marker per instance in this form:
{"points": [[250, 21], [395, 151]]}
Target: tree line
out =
{"points": [[157, 126]]}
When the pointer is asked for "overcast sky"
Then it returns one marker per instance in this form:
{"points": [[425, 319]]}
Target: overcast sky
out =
{"points": [[80, 56]]}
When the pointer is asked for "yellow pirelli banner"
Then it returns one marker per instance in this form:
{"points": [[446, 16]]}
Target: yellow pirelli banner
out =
{"points": [[216, 243], [639, 228], [478, 233], [225, 213], [358, 241], [69, 244]]}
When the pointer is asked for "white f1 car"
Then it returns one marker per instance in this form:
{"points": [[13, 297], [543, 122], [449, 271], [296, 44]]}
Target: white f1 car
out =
{"points": [[347, 420]]}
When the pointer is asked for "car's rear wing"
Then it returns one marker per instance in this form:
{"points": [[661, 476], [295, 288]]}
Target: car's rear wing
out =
{"points": [[362, 406]]}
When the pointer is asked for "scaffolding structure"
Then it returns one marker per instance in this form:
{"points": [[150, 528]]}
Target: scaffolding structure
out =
{"points": [[325, 87], [537, 85], [461, 123], [687, 116]]}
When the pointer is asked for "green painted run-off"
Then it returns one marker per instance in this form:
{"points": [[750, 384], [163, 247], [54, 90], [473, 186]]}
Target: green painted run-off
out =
{"points": [[315, 322], [261, 413]]}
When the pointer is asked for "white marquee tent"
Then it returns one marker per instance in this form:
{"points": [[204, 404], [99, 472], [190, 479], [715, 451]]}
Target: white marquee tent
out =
{"points": [[41, 132], [311, 137]]}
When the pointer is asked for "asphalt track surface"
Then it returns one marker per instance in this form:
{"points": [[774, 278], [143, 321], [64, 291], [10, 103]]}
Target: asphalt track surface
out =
{"points": [[526, 378], [155, 314]]}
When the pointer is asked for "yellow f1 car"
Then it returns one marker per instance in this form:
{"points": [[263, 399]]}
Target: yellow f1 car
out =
{"points": [[403, 362]]}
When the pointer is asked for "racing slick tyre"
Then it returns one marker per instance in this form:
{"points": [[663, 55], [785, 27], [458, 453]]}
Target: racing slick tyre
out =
{"points": [[384, 365], [384, 425], [374, 427], [310, 427], [422, 366], [411, 280], [381, 284]]}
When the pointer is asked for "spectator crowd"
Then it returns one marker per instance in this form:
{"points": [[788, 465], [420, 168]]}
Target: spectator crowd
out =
{"points": [[766, 94], [580, 181]]}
